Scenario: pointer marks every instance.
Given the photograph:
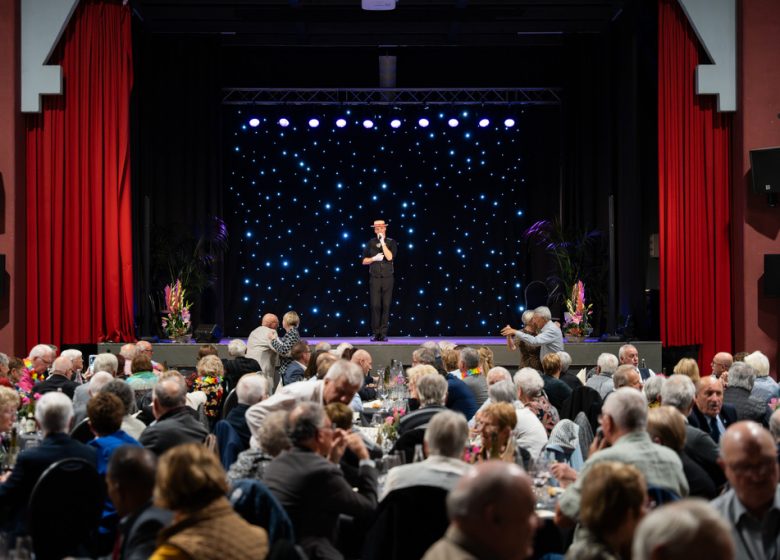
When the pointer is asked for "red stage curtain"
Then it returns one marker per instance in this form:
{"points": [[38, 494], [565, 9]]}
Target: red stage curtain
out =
{"points": [[694, 173], [79, 250]]}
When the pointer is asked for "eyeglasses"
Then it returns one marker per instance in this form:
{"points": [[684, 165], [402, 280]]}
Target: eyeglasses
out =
{"points": [[759, 469]]}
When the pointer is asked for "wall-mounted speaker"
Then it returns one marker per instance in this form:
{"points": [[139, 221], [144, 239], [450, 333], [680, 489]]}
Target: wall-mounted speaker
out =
{"points": [[765, 169], [772, 275]]}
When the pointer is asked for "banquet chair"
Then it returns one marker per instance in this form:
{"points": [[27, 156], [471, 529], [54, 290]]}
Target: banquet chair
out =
{"points": [[257, 505], [229, 445], [229, 403], [82, 432], [70, 489], [407, 442]]}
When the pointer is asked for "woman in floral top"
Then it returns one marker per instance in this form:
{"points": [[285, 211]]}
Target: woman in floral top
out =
{"points": [[209, 380]]}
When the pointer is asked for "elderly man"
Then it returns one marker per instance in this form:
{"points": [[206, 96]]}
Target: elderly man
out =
{"points": [[300, 354], [128, 351], [363, 359], [93, 386], [340, 384], [445, 438], [174, 423], [764, 388], [77, 361], [606, 366], [130, 424], [473, 377], [709, 414], [623, 421], [628, 354], [678, 391], [529, 433], [59, 380], [54, 414], [495, 375], [308, 482], [492, 515], [145, 347], [681, 531], [721, 363], [36, 366], [550, 337], [459, 396], [105, 362], [752, 505], [238, 364], [627, 375], [568, 377], [742, 378], [251, 389], [259, 346], [432, 394]]}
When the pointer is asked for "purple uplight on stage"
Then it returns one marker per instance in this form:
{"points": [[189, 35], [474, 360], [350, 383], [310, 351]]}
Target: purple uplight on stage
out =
{"points": [[254, 123]]}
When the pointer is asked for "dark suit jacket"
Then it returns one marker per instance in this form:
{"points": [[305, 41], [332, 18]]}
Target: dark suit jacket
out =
{"points": [[293, 373], [699, 482], [15, 492], [237, 418], [176, 427], [56, 383], [697, 419], [237, 367], [702, 449], [460, 398], [314, 492], [139, 531], [747, 406], [557, 391]]}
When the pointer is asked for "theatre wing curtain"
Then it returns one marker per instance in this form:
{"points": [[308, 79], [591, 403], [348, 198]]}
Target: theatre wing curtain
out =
{"points": [[79, 246], [694, 154]]}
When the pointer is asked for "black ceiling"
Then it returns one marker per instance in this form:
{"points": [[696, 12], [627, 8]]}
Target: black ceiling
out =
{"points": [[412, 23]]}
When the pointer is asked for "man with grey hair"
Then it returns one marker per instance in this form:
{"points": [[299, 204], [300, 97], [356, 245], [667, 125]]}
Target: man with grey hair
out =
{"points": [[623, 421], [105, 362], [128, 352], [77, 361], [709, 413], [550, 337], [445, 438], [606, 365], [174, 424], [742, 377], [683, 530], [652, 390], [627, 375], [459, 396], [239, 363], [93, 387], [145, 347], [468, 364], [340, 384], [36, 366], [59, 380], [628, 354], [566, 376], [529, 433], [131, 425], [432, 393], [492, 515], [308, 482], [260, 348], [764, 387], [251, 389], [54, 415]]}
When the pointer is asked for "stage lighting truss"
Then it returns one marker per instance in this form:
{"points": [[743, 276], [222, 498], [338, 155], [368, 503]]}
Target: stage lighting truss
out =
{"points": [[388, 96]]}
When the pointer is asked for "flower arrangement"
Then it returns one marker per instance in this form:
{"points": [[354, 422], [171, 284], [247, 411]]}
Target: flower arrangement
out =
{"points": [[27, 407], [388, 430], [177, 321], [577, 314], [774, 404], [471, 453]]}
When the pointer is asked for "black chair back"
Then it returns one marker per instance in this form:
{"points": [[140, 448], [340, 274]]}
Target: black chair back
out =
{"points": [[70, 489], [81, 432], [229, 403], [407, 442]]}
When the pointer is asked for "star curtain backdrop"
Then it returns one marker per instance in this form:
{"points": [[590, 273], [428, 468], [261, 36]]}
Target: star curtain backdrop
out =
{"points": [[694, 154], [300, 199], [79, 252]]}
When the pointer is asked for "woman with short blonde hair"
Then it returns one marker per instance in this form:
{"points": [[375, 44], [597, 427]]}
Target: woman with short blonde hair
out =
{"points": [[689, 368]]}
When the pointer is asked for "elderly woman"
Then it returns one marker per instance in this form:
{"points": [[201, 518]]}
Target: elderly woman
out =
{"points": [[689, 368], [666, 426], [9, 404], [613, 502], [431, 390], [652, 390], [529, 355], [495, 424], [191, 483], [270, 440], [530, 392], [209, 380]]}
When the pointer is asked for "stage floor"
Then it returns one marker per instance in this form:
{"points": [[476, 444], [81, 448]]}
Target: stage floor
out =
{"points": [[582, 353]]}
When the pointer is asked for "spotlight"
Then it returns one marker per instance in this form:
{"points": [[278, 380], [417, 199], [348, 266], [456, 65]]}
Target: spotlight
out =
{"points": [[368, 123], [423, 122], [395, 123], [341, 123], [314, 123], [453, 122], [254, 122], [483, 123], [509, 123], [284, 122]]}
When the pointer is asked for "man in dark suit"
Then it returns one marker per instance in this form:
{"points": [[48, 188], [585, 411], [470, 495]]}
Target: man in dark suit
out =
{"points": [[54, 414], [130, 482], [308, 482], [709, 413], [239, 364], [59, 380], [252, 388], [175, 424], [300, 354], [378, 255]]}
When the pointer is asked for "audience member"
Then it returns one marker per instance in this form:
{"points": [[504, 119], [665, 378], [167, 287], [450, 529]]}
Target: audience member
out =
{"points": [[145, 347], [191, 483], [414, 374], [494, 375], [59, 380], [709, 413], [614, 500], [300, 355], [652, 390], [528, 432], [209, 381], [105, 412], [459, 397], [207, 350], [492, 515], [742, 377], [77, 364], [530, 392], [449, 360], [473, 377], [9, 404], [363, 359], [259, 347], [606, 365], [15, 370], [721, 363], [764, 387], [627, 375], [689, 368], [324, 361], [93, 387], [495, 425], [566, 376], [271, 439], [130, 425], [36, 366], [283, 345], [239, 363], [128, 352], [431, 391], [106, 362], [251, 389], [752, 505], [681, 531], [628, 354], [175, 424], [555, 389], [485, 360]]}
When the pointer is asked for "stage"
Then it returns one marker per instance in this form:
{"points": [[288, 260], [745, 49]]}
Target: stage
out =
{"points": [[177, 355]]}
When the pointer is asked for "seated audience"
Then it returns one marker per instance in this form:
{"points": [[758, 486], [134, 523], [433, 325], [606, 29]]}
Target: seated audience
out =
{"points": [[54, 415], [606, 365], [666, 426], [472, 376], [209, 381], [625, 440], [59, 380], [689, 368], [431, 391], [36, 366], [127, 352], [105, 362], [300, 355], [529, 434], [652, 390], [238, 364], [627, 375], [324, 361], [764, 387], [9, 404], [130, 482], [271, 439], [494, 375], [363, 359], [142, 379], [207, 350], [681, 531], [15, 371], [191, 483], [105, 412], [251, 389], [555, 389], [614, 500], [742, 377], [492, 515], [495, 425], [93, 387], [459, 397], [566, 376], [130, 425], [413, 374], [721, 363], [530, 392], [752, 505], [174, 423], [309, 484], [709, 414], [485, 359]]}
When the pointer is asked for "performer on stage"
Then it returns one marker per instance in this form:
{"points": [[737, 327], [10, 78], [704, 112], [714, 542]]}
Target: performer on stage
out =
{"points": [[378, 255]]}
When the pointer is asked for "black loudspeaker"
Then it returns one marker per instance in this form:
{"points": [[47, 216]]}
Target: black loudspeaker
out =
{"points": [[772, 275], [207, 332], [765, 168]]}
